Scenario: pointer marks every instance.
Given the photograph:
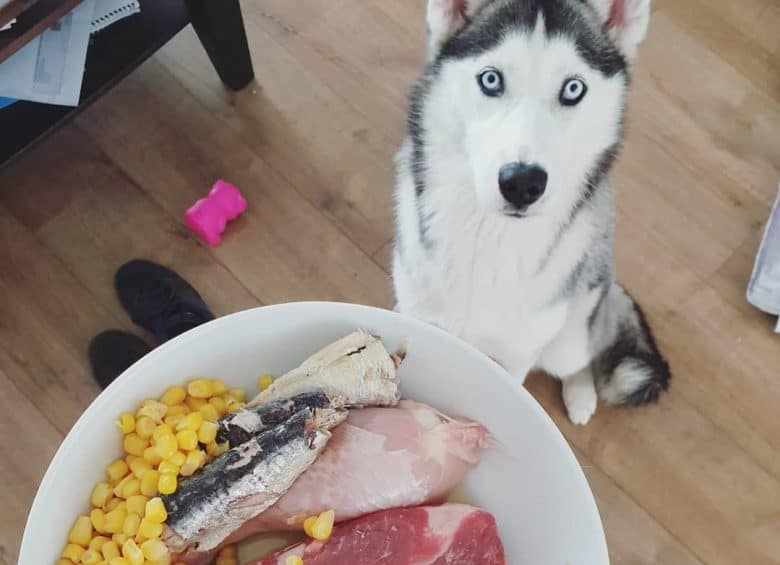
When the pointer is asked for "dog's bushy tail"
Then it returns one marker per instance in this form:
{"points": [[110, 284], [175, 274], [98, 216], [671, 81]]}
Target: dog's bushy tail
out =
{"points": [[630, 369]]}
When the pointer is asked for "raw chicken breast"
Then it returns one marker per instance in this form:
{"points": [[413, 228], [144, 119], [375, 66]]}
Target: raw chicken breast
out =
{"points": [[432, 535], [380, 458]]}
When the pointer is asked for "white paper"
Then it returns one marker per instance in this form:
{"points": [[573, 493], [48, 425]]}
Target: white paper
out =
{"points": [[9, 24], [51, 67], [109, 11]]}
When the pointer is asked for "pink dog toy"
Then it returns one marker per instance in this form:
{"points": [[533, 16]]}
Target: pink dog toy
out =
{"points": [[209, 216]]}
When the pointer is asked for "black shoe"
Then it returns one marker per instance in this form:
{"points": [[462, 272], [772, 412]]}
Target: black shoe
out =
{"points": [[113, 351], [159, 300]]}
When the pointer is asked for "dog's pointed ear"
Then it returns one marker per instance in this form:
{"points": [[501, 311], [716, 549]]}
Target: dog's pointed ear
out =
{"points": [[625, 21], [445, 17]]}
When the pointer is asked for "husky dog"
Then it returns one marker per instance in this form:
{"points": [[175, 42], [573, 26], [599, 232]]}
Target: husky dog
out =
{"points": [[504, 211]]}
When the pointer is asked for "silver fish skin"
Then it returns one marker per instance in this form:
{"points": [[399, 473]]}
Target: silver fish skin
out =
{"points": [[246, 480], [357, 369], [241, 425]]}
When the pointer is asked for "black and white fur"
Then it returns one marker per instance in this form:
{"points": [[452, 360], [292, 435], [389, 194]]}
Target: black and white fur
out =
{"points": [[530, 285]]}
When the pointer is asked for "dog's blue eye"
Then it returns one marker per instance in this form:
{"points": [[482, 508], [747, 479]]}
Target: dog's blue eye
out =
{"points": [[491, 81], [572, 92]]}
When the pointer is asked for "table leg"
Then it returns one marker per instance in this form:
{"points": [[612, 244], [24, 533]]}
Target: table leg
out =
{"points": [[220, 27]]}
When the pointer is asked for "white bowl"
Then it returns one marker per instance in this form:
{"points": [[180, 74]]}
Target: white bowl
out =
{"points": [[537, 492]]}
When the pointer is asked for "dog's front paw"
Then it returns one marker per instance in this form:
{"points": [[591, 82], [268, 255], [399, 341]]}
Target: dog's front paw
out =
{"points": [[579, 396]]}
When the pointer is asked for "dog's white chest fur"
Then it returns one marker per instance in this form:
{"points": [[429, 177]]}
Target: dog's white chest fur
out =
{"points": [[489, 281]]}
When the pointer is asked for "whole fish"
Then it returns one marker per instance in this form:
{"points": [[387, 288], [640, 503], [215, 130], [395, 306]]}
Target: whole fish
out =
{"points": [[246, 480]]}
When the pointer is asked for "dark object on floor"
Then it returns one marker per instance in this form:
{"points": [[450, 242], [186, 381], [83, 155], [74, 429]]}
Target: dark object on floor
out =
{"points": [[113, 351], [116, 51], [159, 300]]}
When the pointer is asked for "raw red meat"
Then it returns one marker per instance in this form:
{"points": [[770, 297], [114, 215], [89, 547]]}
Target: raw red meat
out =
{"points": [[451, 534]]}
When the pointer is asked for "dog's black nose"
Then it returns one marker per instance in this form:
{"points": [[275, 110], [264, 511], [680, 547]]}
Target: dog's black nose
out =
{"points": [[522, 184]]}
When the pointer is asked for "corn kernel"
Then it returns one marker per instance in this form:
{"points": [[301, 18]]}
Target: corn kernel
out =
{"points": [[218, 386], [119, 539], [81, 532], [166, 446], [194, 404], [73, 552], [173, 421], [164, 561], [117, 470], [307, 524], [323, 527], [178, 458], [154, 549], [110, 550], [178, 410], [151, 456], [144, 427], [152, 409], [132, 553], [126, 422], [98, 519], [207, 432], [134, 444], [209, 413], [131, 487], [113, 504], [90, 557], [191, 421], [130, 527], [174, 395], [168, 467], [118, 561], [101, 494], [293, 560], [161, 430], [233, 405], [217, 449], [139, 466], [238, 394], [167, 483], [265, 381], [64, 562], [120, 486], [97, 542], [149, 529], [226, 561], [229, 551], [155, 511], [137, 504], [195, 460], [219, 403], [149, 483], [187, 439], [200, 388], [115, 520]]}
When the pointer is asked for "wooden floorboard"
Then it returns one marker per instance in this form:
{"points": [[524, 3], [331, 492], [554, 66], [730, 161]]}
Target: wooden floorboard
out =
{"points": [[695, 479]]}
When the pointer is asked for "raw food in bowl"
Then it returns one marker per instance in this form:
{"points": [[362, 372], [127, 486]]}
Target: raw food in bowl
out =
{"points": [[533, 486]]}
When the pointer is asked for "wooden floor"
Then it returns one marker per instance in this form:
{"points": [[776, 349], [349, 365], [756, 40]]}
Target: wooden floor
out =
{"points": [[695, 479]]}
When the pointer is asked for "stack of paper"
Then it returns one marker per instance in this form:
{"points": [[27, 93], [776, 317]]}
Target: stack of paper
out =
{"points": [[50, 68]]}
